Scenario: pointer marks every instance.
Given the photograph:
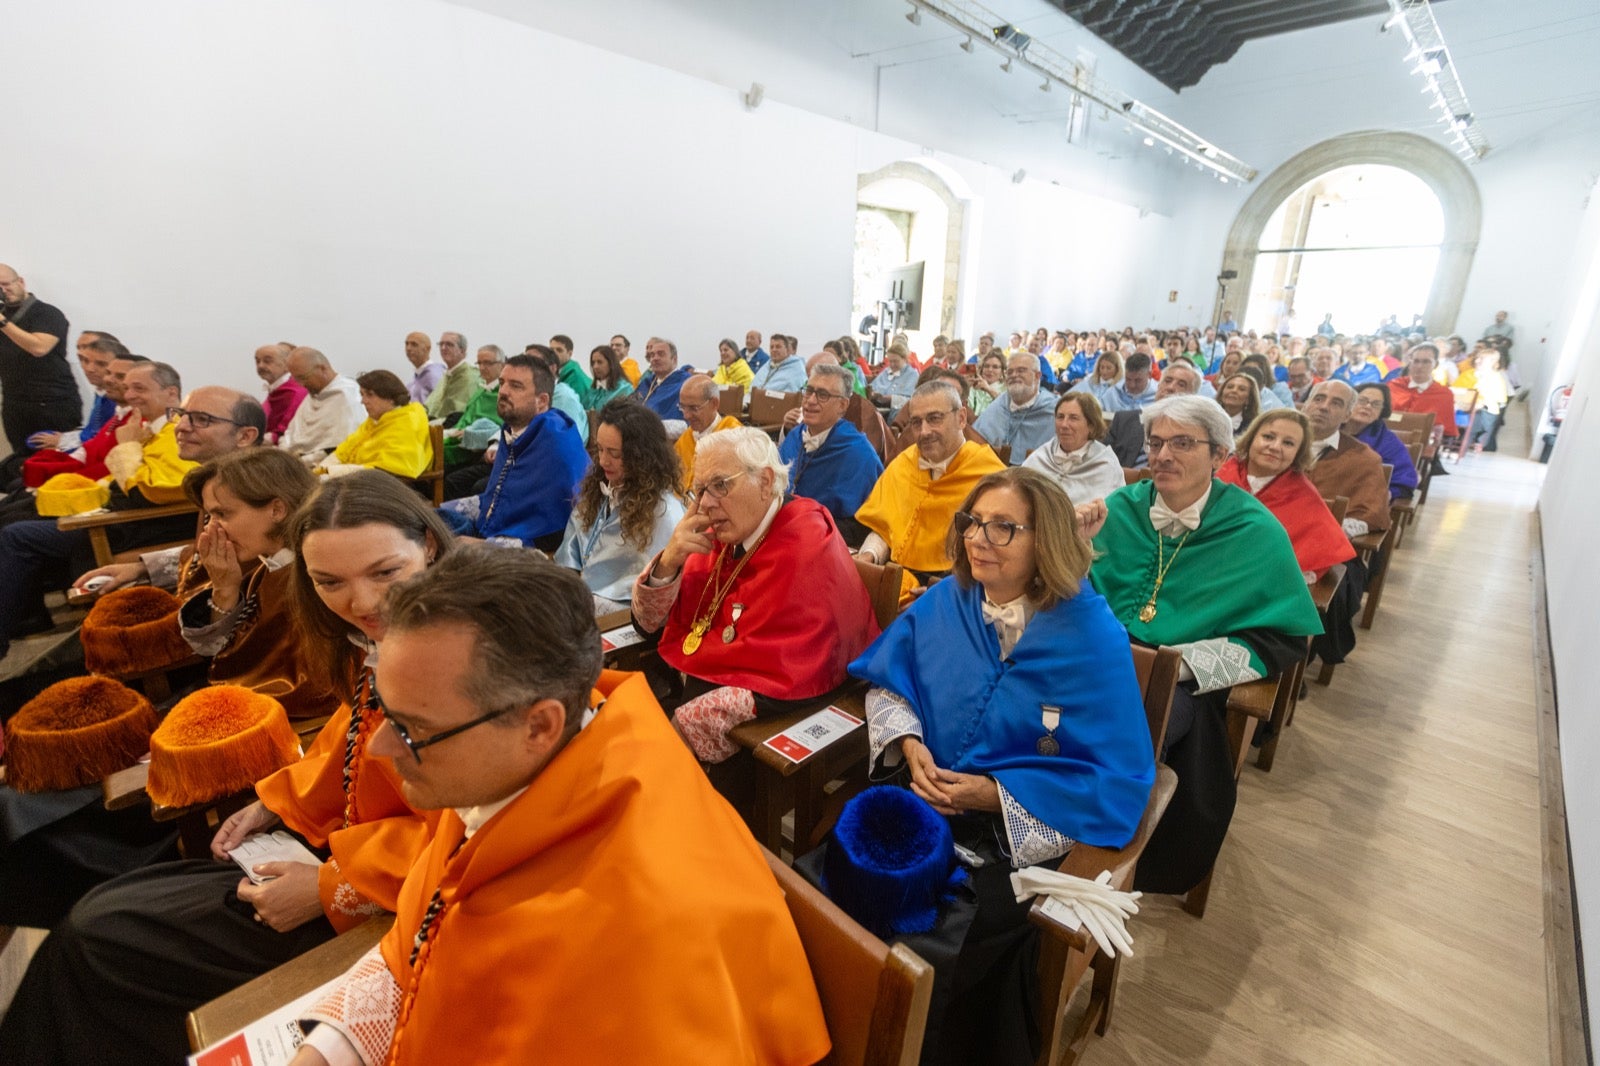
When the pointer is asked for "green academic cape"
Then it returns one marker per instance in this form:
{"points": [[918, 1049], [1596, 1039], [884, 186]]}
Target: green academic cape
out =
{"points": [[1236, 573]]}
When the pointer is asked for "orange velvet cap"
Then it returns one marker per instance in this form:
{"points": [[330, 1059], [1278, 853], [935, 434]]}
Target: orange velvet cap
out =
{"points": [[75, 732], [217, 741]]}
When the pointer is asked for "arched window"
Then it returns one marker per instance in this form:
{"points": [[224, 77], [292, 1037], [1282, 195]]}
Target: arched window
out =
{"points": [[1359, 243]]}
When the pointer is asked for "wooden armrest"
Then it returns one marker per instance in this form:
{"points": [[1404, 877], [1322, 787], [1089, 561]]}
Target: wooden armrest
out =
{"points": [[1328, 584], [754, 734], [125, 788], [1369, 542], [228, 1014], [1403, 505], [100, 519], [1087, 862], [1254, 698]]}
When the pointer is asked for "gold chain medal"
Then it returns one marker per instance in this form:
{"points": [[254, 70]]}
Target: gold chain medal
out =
{"points": [[691, 639], [1147, 613]]}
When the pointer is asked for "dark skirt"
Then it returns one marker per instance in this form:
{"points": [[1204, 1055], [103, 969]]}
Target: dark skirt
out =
{"points": [[114, 982]]}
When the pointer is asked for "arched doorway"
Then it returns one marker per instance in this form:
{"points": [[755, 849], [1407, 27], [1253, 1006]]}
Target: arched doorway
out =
{"points": [[905, 213], [1445, 177], [1358, 244]]}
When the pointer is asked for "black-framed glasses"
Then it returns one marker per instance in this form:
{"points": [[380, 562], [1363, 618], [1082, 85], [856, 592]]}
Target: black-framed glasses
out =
{"points": [[997, 531], [716, 488], [811, 392], [198, 419], [934, 420], [1179, 445], [415, 746]]}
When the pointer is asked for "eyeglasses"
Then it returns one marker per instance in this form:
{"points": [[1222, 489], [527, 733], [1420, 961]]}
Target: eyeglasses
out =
{"points": [[1179, 445], [692, 406], [823, 395], [415, 746], [1368, 401], [996, 531], [716, 488], [934, 421], [197, 419]]}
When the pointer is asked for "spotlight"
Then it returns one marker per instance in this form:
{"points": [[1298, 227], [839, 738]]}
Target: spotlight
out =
{"points": [[1008, 34], [914, 16], [966, 46], [1460, 122]]}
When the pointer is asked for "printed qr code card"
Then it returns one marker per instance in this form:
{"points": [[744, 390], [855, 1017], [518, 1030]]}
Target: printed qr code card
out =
{"points": [[810, 735]]}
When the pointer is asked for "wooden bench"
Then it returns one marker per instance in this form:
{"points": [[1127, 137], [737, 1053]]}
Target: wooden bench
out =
{"points": [[99, 523]]}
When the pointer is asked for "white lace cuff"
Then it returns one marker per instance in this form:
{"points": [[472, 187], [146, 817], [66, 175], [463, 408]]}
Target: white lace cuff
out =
{"points": [[163, 567], [364, 1009], [1029, 840], [890, 716], [1219, 663]]}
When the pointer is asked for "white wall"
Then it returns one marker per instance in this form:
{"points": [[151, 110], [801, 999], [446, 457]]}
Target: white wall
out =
{"points": [[1569, 506]]}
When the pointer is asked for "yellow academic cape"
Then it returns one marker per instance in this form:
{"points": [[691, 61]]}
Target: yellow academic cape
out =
{"points": [[912, 513], [396, 441], [685, 445], [739, 373], [158, 476]]}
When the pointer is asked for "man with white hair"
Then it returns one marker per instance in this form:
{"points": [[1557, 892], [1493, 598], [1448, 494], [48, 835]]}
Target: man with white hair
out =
{"points": [[1125, 432], [457, 383], [1026, 419], [1188, 562], [330, 412], [284, 393], [830, 460]]}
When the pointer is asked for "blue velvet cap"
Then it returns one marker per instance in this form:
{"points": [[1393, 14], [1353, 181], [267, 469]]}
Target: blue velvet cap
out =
{"points": [[891, 862]]}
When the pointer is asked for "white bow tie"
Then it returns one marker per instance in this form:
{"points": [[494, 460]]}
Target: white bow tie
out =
{"points": [[1421, 388], [810, 442], [935, 470], [1167, 521], [1010, 615]]}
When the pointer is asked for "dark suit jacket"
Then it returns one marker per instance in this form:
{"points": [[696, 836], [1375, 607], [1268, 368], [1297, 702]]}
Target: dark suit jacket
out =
{"points": [[1126, 437]]}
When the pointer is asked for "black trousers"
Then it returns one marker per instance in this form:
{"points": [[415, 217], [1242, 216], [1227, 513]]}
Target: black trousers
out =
{"points": [[23, 418], [1185, 845], [112, 984]]}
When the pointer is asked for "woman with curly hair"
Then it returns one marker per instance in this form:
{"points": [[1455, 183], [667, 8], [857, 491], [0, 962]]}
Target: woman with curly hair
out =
{"points": [[627, 505]]}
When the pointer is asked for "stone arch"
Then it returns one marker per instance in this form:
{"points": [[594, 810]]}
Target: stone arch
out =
{"points": [[933, 181], [1443, 173]]}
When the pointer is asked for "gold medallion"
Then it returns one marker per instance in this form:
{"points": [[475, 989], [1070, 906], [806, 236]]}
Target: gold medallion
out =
{"points": [[1146, 613], [691, 640]]}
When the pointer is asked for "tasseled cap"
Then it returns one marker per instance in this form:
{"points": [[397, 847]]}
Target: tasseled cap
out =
{"points": [[217, 741], [891, 862], [133, 630], [76, 732]]}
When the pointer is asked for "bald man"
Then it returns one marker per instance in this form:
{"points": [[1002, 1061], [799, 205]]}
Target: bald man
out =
{"points": [[428, 373], [330, 412], [284, 393], [154, 451], [39, 391]]}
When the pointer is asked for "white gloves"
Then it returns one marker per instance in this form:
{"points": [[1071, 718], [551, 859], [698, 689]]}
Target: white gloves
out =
{"points": [[1099, 908]]}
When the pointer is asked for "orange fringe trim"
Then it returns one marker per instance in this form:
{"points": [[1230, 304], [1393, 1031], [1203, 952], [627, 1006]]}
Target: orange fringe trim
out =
{"points": [[133, 630], [76, 732], [217, 741]]}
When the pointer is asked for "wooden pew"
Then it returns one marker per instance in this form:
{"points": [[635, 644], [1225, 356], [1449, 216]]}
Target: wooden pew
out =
{"points": [[768, 408], [730, 401], [874, 997], [431, 480], [1064, 953], [99, 523]]}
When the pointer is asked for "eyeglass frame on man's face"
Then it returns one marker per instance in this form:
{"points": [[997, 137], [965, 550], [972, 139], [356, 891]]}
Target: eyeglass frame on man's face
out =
{"points": [[415, 746], [717, 488], [198, 419], [1182, 444], [965, 523], [811, 392], [935, 420]]}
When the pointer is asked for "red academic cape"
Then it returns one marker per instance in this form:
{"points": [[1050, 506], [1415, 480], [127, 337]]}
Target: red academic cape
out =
{"points": [[617, 911], [1319, 542], [41, 466], [1436, 398], [806, 613], [373, 835]]}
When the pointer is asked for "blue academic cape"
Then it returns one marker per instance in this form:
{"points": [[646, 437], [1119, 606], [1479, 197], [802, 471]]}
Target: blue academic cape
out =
{"points": [[662, 398], [1364, 374], [1080, 367], [982, 715], [534, 480], [1392, 450], [838, 475], [100, 413]]}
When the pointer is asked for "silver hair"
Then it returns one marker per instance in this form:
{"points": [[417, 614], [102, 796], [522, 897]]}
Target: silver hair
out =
{"points": [[844, 378], [673, 348], [1184, 364], [460, 339], [1193, 411], [499, 356], [754, 450], [939, 387]]}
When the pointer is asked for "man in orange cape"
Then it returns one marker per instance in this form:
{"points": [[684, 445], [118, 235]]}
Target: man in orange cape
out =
{"points": [[588, 898]]}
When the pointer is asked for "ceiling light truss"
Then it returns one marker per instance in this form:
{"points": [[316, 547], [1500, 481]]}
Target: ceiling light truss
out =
{"points": [[993, 31], [1428, 57]]}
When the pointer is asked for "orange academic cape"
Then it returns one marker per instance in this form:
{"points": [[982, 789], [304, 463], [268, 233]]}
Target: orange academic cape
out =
{"points": [[372, 833], [617, 911]]}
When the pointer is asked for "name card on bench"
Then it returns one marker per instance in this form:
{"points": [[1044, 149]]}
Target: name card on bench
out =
{"points": [[810, 735], [271, 1040], [620, 637]]}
